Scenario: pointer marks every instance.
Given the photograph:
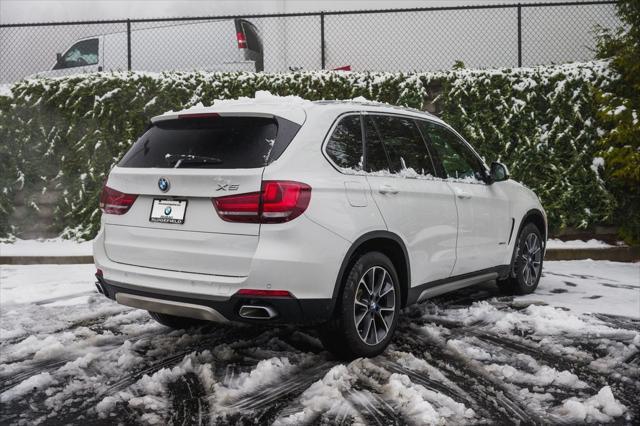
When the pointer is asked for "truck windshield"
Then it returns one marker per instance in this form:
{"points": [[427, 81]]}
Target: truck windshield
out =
{"points": [[82, 53]]}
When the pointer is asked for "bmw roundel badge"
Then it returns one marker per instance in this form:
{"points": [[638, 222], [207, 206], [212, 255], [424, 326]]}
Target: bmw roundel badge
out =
{"points": [[163, 184], [167, 211]]}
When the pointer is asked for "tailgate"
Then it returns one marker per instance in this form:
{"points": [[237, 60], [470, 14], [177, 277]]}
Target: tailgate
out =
{"points": [[174, 171]]}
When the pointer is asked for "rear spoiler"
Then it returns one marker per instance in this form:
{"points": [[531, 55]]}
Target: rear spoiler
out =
{"points": [[181, 115], [296, 115]]}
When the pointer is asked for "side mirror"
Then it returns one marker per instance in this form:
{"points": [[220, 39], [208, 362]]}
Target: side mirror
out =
{"points": [[58, 58], [499, 172]]}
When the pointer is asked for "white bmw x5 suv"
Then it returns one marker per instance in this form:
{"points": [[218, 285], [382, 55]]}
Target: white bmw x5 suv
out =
{"points": [[335, 214]]}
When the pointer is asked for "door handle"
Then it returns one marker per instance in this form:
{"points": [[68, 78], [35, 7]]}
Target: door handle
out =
{"points": [[464, 195], [388, 189]]}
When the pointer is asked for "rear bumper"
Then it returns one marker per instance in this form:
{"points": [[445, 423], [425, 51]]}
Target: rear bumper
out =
{"points": [[287, 310], [300, 257]]}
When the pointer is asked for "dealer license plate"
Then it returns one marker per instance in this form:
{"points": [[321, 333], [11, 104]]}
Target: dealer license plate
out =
{"points": [[168, 211]]}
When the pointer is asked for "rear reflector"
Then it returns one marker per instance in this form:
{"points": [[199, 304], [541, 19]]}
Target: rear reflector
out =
{"points": [[263, 293], [115, 202], [242, 40], [278, 202]]}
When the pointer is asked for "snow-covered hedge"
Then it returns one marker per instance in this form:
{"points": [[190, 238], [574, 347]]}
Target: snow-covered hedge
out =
{"points": [[67, 133]]}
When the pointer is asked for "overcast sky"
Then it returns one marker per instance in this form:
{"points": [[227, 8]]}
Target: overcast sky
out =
{"points": [[15, 11]]}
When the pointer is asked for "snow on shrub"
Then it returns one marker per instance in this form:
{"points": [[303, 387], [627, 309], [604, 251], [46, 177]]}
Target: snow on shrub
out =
{"points": [[66, 133]]}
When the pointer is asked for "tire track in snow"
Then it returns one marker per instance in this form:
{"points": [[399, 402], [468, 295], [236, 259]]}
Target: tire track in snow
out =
{"points": [[616, 321], [297, 382], [373, 409], [47, 366], [87, 322], [503, 405], [190, 405], [429, 383], [225, 336], [624, 389], [51, 365]]}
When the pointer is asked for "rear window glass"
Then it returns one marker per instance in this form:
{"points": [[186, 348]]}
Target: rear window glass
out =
{"points": [[212, 142]]}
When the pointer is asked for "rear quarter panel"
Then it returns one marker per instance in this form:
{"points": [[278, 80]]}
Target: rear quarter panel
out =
{"points": [[347, 215]]}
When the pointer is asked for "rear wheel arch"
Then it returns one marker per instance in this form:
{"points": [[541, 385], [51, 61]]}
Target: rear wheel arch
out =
{"points": [[385, 242]]}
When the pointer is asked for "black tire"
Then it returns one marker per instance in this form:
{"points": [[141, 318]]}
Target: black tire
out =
{"points": [[527, 266], [375, 319], [178, 323]]}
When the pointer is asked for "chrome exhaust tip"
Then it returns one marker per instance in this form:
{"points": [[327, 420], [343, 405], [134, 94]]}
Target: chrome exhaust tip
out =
{"points": [[99, 287], [257, 312]]}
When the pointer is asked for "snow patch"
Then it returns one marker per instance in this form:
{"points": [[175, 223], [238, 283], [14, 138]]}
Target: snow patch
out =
{"points": [[600, 408], [39, 381], [424, 405], [593, 243]]}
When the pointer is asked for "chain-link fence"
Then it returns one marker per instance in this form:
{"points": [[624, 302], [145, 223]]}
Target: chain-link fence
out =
{"points": [[382, 40]]}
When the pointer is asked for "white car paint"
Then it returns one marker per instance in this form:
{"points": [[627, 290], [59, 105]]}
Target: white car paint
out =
{"points": [[448, 227]]}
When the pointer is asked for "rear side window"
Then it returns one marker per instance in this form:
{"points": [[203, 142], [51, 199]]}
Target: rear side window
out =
{"points": [[404, 145], [345, 145], [212, 142]]}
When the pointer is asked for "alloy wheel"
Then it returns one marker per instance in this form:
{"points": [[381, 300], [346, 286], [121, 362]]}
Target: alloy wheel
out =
{"points": [[532, 259], [374, 305]]}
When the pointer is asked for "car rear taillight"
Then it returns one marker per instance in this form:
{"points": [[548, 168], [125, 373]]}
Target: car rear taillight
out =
{"points": [[115, 202], [242, 40], [277, 202]]}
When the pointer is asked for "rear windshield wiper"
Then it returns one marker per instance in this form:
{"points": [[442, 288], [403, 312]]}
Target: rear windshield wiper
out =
{"points": [[179, 159]]}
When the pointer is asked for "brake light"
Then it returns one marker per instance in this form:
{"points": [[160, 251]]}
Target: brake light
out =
{"points": [[242, 40], [239, 208], [200, 115], [263, 293], [278, 202], [115, 202]]}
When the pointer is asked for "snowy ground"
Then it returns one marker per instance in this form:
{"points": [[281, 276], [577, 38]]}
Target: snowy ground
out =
{"points": [[68, 355], [46, 247]]}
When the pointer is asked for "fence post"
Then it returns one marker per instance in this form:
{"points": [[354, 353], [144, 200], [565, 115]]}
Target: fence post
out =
{"points": [[129, 44], [322, 57], [519, 35]]}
